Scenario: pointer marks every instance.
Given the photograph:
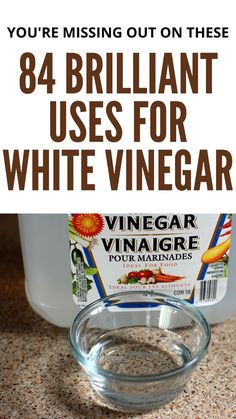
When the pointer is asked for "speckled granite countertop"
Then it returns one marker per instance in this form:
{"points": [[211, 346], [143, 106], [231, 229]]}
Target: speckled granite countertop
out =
{"points": [[39, 379]]}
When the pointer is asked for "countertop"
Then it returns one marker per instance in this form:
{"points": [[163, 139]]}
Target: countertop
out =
{"points": [[39, 378]]}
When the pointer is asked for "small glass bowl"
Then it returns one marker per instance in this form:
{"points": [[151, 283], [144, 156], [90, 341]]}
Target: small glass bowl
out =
{"points": [[138, 348]]}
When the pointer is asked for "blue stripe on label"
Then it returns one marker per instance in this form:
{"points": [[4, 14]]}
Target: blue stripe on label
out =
{"points": [[192, 300], [215, 240], [132, 305], [96, 280]]}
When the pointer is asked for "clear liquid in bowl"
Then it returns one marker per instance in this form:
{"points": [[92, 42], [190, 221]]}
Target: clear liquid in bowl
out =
{"points": [[139, 351]]}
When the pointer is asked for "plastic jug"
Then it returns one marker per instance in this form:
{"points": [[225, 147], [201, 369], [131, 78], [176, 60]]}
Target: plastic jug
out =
{"points": [[165, 252]]}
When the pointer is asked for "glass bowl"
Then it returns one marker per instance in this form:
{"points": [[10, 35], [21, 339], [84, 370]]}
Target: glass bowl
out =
{"points": [[139, 348]]}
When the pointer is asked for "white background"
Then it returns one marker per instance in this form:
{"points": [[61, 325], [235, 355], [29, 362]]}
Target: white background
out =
{"points": [[25, 118]]}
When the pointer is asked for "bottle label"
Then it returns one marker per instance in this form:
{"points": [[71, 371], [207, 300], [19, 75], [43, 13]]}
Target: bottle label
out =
{"points": [[182, 255]]}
